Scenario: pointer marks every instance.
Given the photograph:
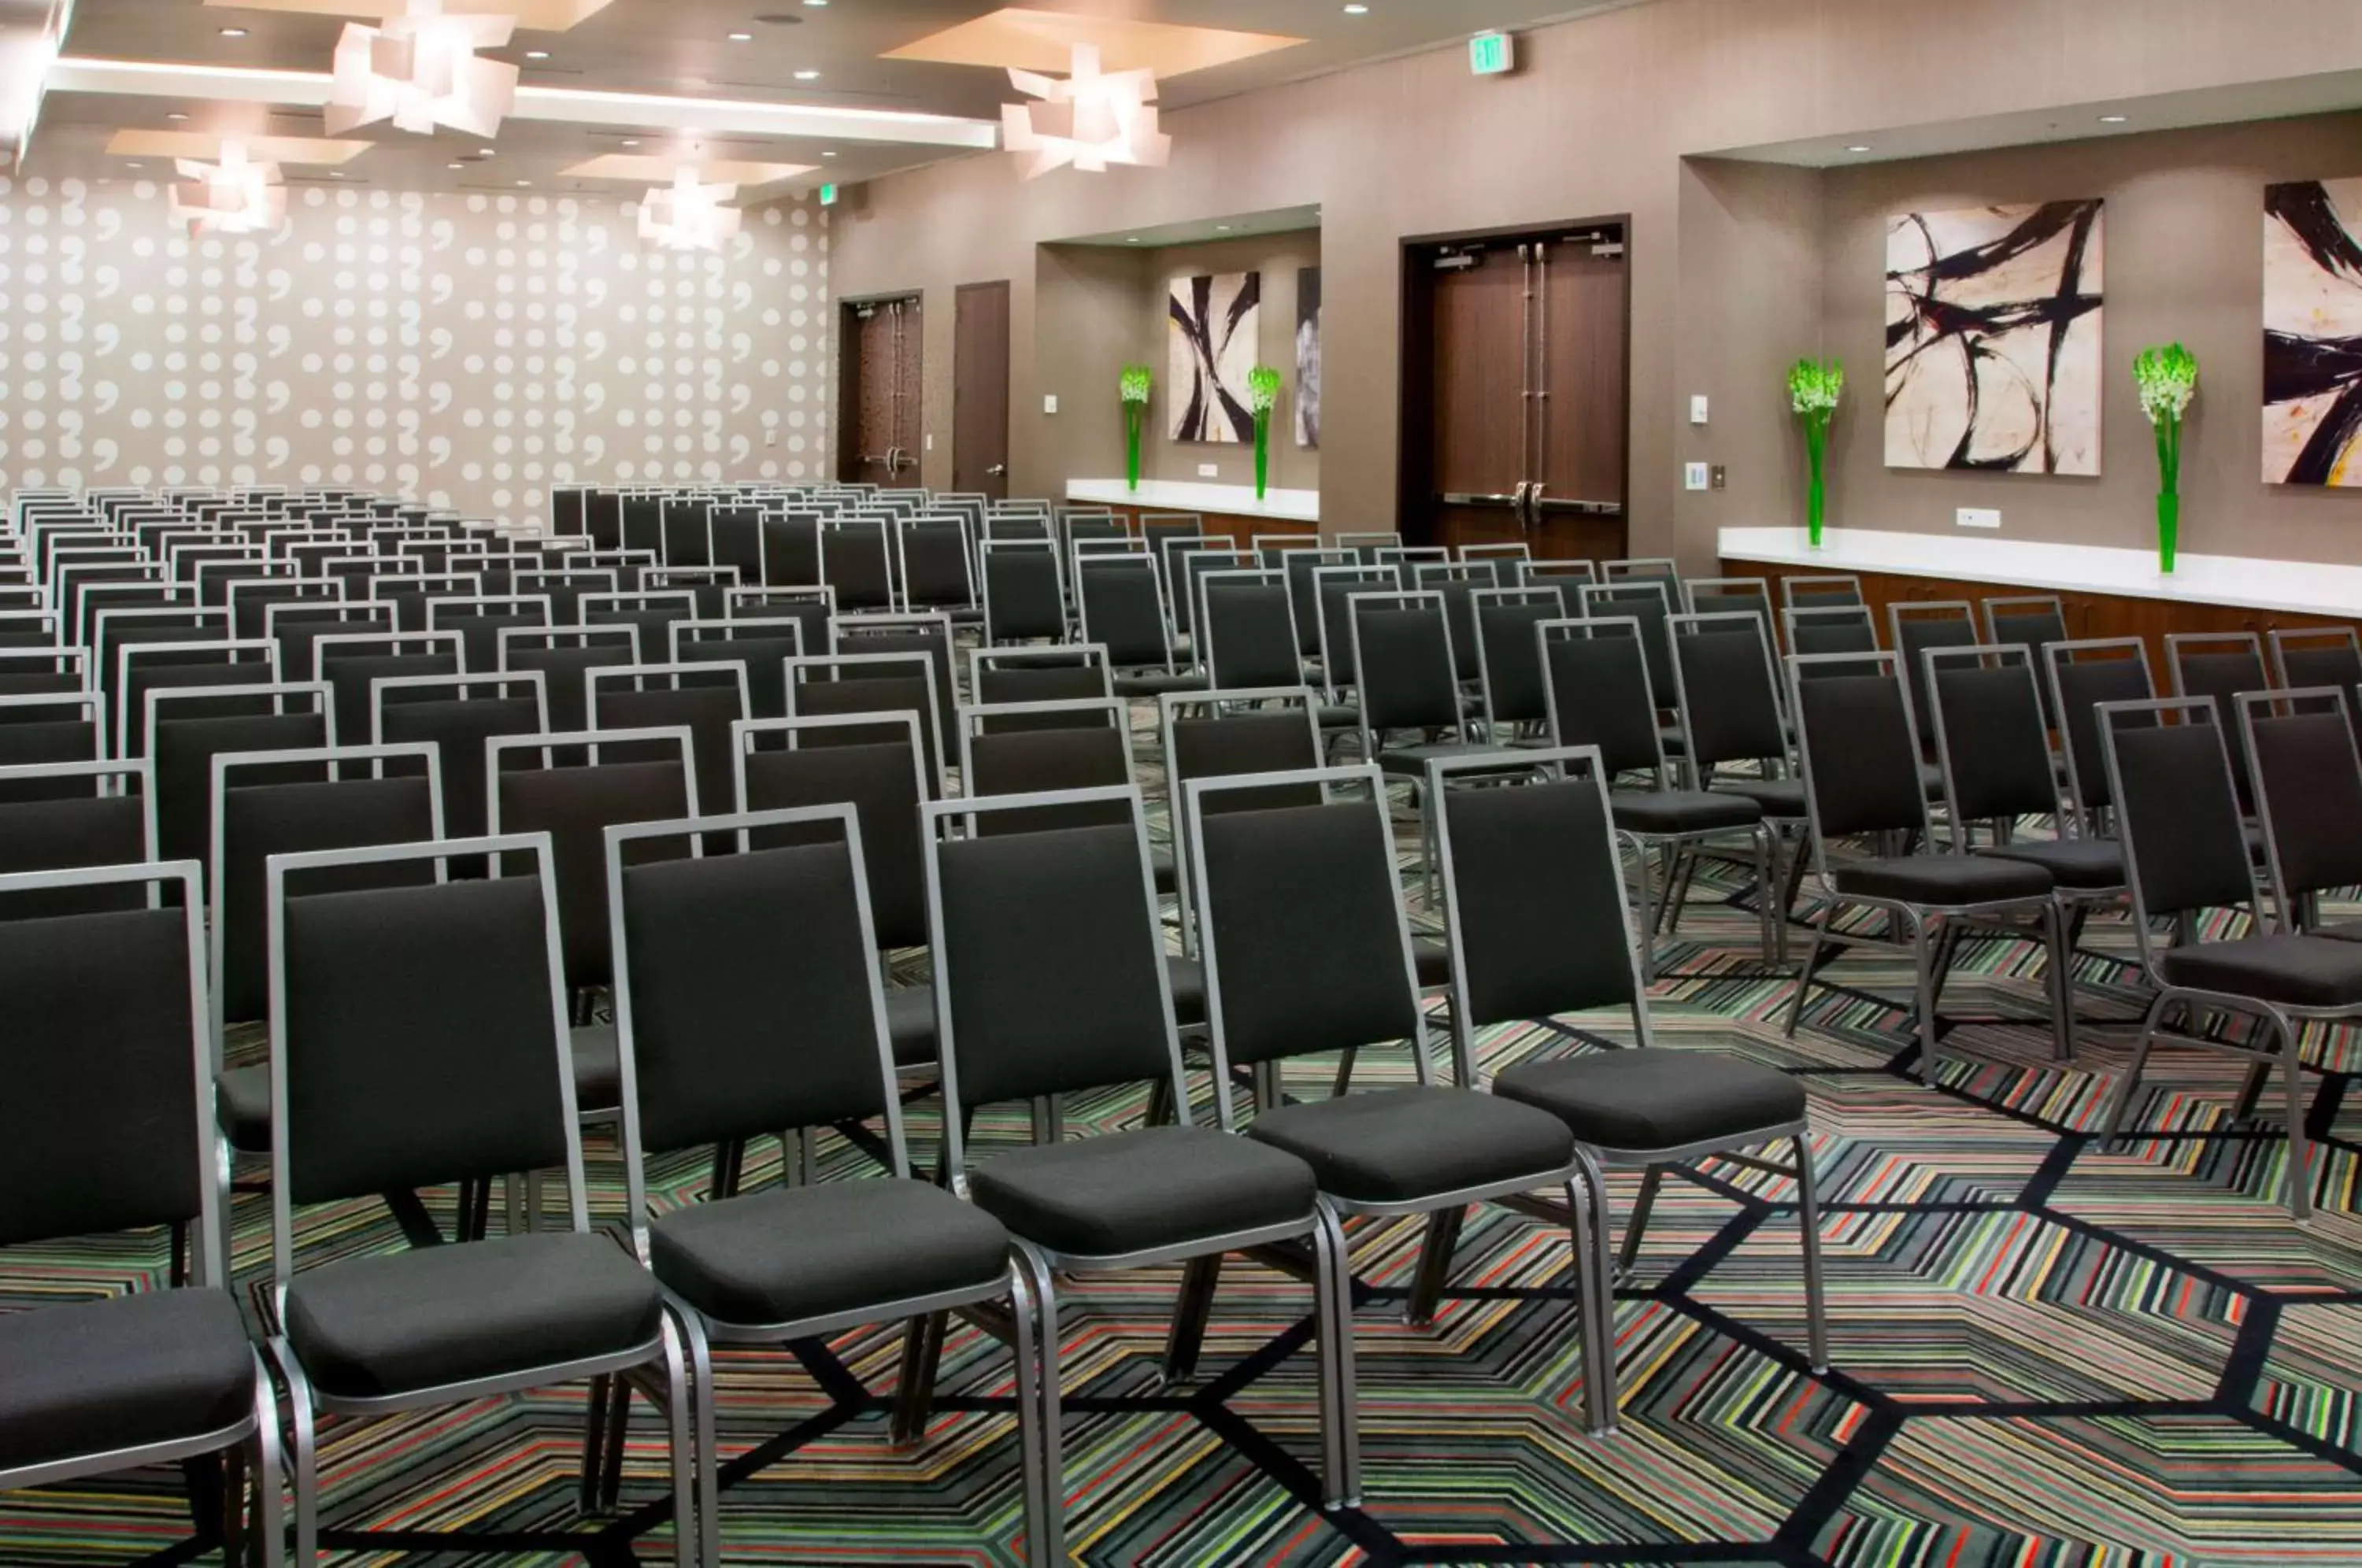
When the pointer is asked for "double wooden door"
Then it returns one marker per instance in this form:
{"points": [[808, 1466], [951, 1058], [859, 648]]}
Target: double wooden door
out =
{"points": [[885, 361]]}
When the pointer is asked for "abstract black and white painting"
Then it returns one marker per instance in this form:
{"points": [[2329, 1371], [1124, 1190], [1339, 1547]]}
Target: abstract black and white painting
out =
{"points": [[1992, 339], [1212, 322], [2313, 333], [1308, 356]]}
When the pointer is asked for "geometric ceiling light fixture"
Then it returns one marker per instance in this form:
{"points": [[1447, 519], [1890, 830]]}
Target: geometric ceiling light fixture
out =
{"points": [[234, 197], [1091, 120], [686, 215], [420, 70]]}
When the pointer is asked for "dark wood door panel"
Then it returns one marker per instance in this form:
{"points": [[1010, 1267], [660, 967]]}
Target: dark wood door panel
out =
{"points": [[980, 390]]}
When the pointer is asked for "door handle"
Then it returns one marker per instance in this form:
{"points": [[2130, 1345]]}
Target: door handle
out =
{"points": [[998, 470]]}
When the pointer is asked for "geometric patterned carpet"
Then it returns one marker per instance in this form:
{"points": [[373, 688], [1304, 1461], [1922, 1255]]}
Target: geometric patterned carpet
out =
{"points": [[2044, 1352]]}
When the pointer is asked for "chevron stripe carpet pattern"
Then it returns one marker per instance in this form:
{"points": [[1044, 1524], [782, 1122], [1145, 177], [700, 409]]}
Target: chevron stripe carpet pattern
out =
{"points": [[2047, 1352]]}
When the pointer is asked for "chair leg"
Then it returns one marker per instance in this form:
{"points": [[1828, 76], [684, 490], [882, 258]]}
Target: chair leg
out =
{"points": [[267, 1541], [1160, 1104], [1808, 1222], [705, 1488], [1039, 1529], [1805, 974], [2131, 1080], [1924, 973], [1340, 1422], [1434, 1265], [619, 1423], [1638, 1226], [1586, 1196], [594, 1440], [229, 1502], [2299, 1157], [2061, 987], [1768, 929], [1052, 1547], [914, 1395], [1344, 1083], [305, 1457], [1191, 1312], [1645, 907], [693, 1540], [2251, 1092]]}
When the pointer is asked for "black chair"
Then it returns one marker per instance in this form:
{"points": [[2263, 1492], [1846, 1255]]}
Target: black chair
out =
{"points": [[144, 668], [1404, 560], [1407, 680], [2186, 845], [1916, 628], [1023, 601], [2319, 655], [418, 1037], [1331, 631], [840, 684], [857, 559], [1819, 592], [1992, 738], [1509, 656], [1264, 877], [1567, 578], [1862, 779], [1727, 704], [458, 716], [1050, 982], [2079, 677], [566, 589], [351, 661], [1074, 672], [704, 699], [1041, 748], [1539, 927], [935, 566], [1303, 591], [2034, 622], [1506, 560], [565, 655], [813, 610], [1595, 676], [1731, 596], [2307, 786], [1457, 582], [927, 636], [1644, 569], [284, 802], [748, 999], [1647, 602], [189, 726], [1272, 729], [652, 611], [296, 626], [1121, 601], [479, 619], [1247, 636], [2223, 666], [107, 1126], [761, 645], [1829, 629], [38, 729]]}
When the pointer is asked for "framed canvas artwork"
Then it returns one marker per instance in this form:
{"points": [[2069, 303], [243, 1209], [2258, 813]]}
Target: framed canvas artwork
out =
{"points": [[2313, 333], [1211, 323], [1308, 356]]}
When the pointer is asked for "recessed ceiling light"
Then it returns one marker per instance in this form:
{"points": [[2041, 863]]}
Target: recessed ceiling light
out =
{"points": [[1357, 10], [2114, 119], [1133, 240], [335, 175], [135, 165], [807, 75], [1857, 149], [525, 183], [176, 114], [742, 37], [631, 141], [816, 5], [483, 152], [536, 54], [828, 155], [233, 32], [1221, 228], [455, 166]]}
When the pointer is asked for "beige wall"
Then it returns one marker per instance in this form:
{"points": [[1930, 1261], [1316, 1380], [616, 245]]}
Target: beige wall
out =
{"points": [[470, 350], [2184, 237], [1598, 121], [1099, 307]]}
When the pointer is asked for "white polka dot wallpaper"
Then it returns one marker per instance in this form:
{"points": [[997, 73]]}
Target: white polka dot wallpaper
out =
{"points": [[468, 349]]}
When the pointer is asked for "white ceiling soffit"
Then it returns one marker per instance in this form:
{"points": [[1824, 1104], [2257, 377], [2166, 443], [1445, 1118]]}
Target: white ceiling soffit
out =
{"points": [[30, 34], [571, 106]]}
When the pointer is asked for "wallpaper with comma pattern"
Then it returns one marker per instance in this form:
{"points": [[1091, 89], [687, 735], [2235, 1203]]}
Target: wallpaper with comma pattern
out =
{"points": [[467, 349]]}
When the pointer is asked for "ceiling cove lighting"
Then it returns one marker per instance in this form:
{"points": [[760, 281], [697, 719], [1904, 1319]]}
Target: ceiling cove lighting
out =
{"points": [[1091, 120], [686, 215], [233, 196], [420, 70]]}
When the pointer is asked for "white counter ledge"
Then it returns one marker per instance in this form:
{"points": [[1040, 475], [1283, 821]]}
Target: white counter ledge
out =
{"points": [[2296, 588], [1224, 500]]}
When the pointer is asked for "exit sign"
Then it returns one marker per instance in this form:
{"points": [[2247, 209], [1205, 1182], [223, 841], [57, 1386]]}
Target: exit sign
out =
{"points": [[1492, 54], [828, 194]]}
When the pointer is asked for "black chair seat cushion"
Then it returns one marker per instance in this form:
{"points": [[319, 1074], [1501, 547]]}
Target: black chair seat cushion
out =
{"points": [[2301, 971], [1134, 1192], [242, 1107], [1660, 1098], [1943, 879], [910, 1024], [155, 1366], [397, 1323], [1413, 759], [1777, 797], [2071, 862], [2351, 931], [598, 1068], [1400, 1145], [1682, 811], [792, 1253], [1157, 684]]}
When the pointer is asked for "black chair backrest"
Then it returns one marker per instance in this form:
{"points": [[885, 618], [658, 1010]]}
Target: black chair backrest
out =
{"points": [[652, 611], [1534, 894], [854, 560], [273, 718], [565, 655], [1050, 972], [880, 776], [684, 539], [1508, 652], [1075, 754], [1828, 629], [1916, 629], [1248, 631], [761, 647], [2033, 622], [869, 683], [1213, 734], [1304, 591], [1600, 694], [1403, 663], [2306, 787], [998, 680], [935, 563], [1121, 599], [930, 635], [629, 776], [703, 699], [259, 811], [2083, 676], [106, 1123], [1022, 596], [417, 1032], [790, 551], [35, 731], [1992, 734], [1332, 633], [1643, 599], [1819, 592], [747, 985], [2320, 657], [2222, 666], [352, 667], [813, 610], [1265, 877], [2176, 810], [1861, 761], [458, 716], [1730, 708], [166, 667], [480, 621], [81, 814]]}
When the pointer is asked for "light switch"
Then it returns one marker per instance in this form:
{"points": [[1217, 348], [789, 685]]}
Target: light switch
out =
{"points": [[1697, 476], [1209, 470], [1978, 517], [931, 442], [1697, 409], [1050, 402]]}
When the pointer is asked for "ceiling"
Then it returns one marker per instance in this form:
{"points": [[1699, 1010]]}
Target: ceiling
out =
{"points": [[670, 77]]}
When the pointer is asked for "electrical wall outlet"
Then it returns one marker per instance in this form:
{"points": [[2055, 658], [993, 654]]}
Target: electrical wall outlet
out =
{"points": [[1978, 517], [1050, 402], [770, 437], [1697, 476], [1209, 470], [1697, 409], [1721, 477]]}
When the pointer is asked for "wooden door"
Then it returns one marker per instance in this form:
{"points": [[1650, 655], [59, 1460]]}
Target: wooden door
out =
{"points": [[878, 388], [1477, 442], [1581, 413], [980, 390]]}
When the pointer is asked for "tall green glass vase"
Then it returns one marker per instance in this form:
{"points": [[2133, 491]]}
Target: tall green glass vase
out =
{"points": [[1816, 496], [1262, 452], [1131, 412], [2168, 529]]}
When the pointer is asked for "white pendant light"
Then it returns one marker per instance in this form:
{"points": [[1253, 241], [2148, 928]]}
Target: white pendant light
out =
{"points": [[686, 215], [234, 197], [420, 70], [1091, 120]]}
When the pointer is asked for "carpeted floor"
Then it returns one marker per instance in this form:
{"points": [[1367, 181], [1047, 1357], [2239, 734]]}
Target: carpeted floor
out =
{"points": [[2046, 1351]]}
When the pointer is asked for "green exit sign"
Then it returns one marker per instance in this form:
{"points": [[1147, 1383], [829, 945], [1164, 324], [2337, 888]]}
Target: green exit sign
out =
{"points": [[828, 194], [1492, 54]]}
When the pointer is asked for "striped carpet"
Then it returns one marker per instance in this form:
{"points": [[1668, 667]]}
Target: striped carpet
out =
{"points": [[2046, 1351]]}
